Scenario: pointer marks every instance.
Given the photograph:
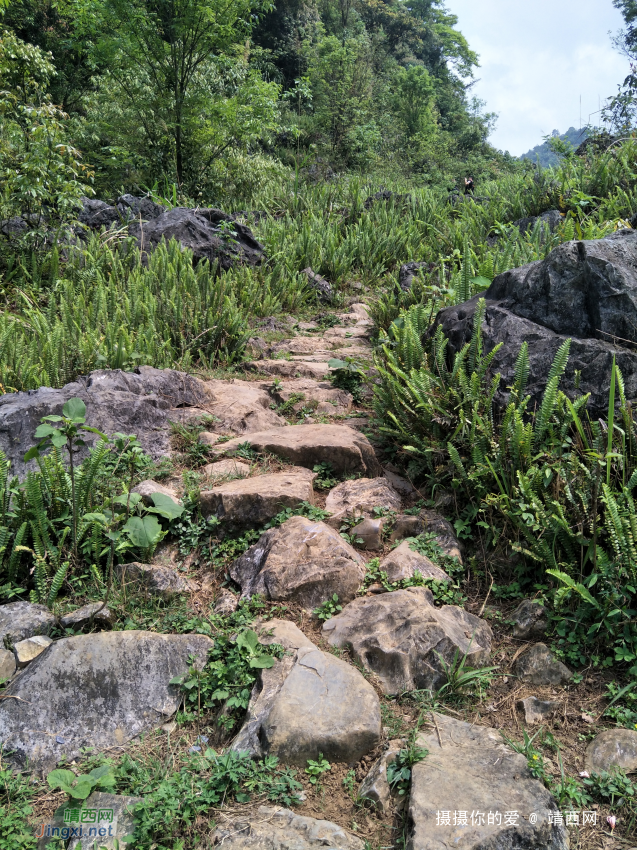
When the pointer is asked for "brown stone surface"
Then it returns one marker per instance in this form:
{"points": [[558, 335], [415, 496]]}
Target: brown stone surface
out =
{"points": [[319, 396], [146, 489], [306, 445], [368, 534], [251, 502], [303, 561], [401, 636], [359, 498], [402, 563], [428, 522], [612, 748], [228, 468], [240, 407], [274, 828]]}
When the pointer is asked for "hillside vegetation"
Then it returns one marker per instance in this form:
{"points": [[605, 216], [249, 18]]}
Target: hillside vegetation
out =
{"points": [[340, 133]]}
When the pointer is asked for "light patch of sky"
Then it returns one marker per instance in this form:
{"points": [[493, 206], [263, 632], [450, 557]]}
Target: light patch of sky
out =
{"points": [[537, 59]]}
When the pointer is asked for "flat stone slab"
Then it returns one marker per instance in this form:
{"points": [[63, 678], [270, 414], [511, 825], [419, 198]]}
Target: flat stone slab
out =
{"points": [[360, 497], [101, 690], [291, 368], [229, 468], [7, 665], [251, 502], [400, 637], [470, 772], [612, 748], [271, 828], [240, 407], [20, 620], [319, 396], [302, 561], [537, 710], [306, 445]]}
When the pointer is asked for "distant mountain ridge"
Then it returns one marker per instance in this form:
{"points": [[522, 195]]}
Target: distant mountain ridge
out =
{"points": [[545, 155]]}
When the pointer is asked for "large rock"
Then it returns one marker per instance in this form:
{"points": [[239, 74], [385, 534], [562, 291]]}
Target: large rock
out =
{"points": [[584, 290], [141, 402], [310, 703], [147, 489], [97, 214], [360, 497], [403, 563], [306, 445], [209, 233], [471, 774], [7, 665], [240, 407], [302, 561], [271, 828], [612, 748], [21, 620], [101, 690], [251, 502], [401, 637]]}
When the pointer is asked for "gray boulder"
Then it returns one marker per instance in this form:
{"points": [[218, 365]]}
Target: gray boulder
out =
{"points": [[409, 271], [141, 402], [538, 667], [321, 287], [537, 710], [271, 828], [309, 703], [301, 561], [585, 291], [469, 768], [209, 233], [21, 620], [530, 619], [101, 690], [401, 637], [612, 748]]}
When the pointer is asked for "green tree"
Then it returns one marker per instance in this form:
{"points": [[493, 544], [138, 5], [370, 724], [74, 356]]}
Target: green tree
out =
{"points": [[41, 174], [180, 69]]}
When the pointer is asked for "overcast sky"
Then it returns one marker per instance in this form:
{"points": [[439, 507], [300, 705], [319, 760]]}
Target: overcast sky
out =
{"points": [[537, 58]]}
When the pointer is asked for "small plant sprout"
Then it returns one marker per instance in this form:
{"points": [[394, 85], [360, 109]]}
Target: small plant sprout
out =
{"points": [[80, 787], [328, 609], [315, 769]]}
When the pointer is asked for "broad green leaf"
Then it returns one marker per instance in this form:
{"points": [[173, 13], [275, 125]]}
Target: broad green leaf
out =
{"points": [[45, 431], [83, 787], [33, 452], [165, 506], [60, 776], [248, 639], [58, 440], [75, 409], [335, 363], [133, 499], [262, 662], [144, 532]]}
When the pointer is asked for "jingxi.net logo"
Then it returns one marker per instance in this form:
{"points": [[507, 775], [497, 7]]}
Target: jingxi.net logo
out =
{"points": [[81, 823]]}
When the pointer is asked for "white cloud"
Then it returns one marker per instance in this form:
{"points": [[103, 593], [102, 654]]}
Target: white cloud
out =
{"points": [[537, 59]]}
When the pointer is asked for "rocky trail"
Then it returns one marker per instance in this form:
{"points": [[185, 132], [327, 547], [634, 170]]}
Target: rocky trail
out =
{"points": [[361, 688]]}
